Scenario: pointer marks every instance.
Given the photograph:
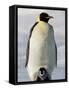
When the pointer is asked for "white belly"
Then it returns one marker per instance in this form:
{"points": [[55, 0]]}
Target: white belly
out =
{"points": [[41, 51]]}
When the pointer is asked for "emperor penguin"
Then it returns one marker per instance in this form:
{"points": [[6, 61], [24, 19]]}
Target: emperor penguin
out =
{"points": [[41, 56]]}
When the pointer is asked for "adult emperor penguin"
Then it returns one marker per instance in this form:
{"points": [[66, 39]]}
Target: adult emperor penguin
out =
{"points": [[41, 50]]}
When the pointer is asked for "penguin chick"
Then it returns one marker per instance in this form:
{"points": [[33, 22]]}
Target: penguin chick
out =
{"points": [[43, 75]]}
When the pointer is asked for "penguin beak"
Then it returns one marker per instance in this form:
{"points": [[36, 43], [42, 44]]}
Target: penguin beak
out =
{"points": [[49, 17]]}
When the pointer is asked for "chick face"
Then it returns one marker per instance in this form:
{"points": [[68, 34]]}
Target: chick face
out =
{"points": [[43, 75]]}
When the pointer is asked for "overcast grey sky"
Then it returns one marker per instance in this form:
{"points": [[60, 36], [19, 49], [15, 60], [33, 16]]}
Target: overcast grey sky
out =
{"points": [[26, 19]]}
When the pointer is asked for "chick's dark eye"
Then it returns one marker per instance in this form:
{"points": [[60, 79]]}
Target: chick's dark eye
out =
{"points": [[41, 71]]}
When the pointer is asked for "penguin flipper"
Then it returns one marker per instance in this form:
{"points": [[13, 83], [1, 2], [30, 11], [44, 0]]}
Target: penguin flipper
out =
{"points": [[28, 43], [27, 54]]}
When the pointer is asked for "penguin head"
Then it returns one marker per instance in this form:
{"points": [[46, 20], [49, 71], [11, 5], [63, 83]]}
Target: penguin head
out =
{"points": [[45, 17], [42, 75]]}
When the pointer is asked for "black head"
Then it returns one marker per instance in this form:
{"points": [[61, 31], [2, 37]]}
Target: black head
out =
{"points": [[43, 75], [45, 17]]}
